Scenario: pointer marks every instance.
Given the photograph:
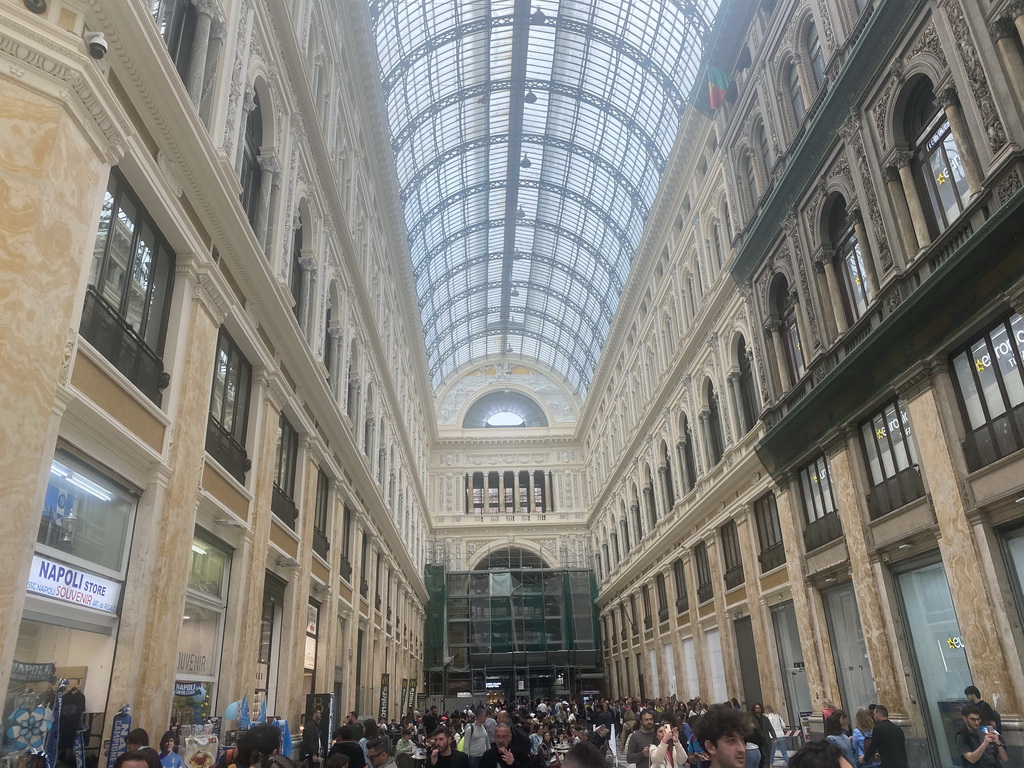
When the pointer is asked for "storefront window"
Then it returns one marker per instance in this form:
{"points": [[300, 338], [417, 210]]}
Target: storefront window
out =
{"points": [[86, 519], [849, 652], [939, 655], [309, 657], [199, 640]]}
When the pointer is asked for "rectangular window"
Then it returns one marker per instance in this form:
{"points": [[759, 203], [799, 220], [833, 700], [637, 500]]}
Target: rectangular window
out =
{"points": [[990, 391], [632, 611], [129, 295], [283, 500], [346, 543], [892, 460], [648, 619], [819, 504], [662, 593], [679, 582], [229, 408], [364, 567], [705, 590], [176, 23], [320, 514], [731, 555], [769, 533]]}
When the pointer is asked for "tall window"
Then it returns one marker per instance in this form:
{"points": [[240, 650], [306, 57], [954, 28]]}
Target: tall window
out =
{"points": [[666, 470], [283, 500], [705, 589], [364, 566], [991, 392], [819, 504], [750, 179], [716, 438], [229, 408], [679, 583], [295, 278], [638, 520], [346, 543], [936, 163], [769, 533], [130, 282], [716, 234], [645, 591], [796, 93], [662, 594], [765, 149], [352, 383], [176, 23], [892, 459], [687, 459], [625, 536], [789, 328], [251, 175], [321, 514], [815, 57], [748, 396], [731, 556], [632, 614], [850, 263]]}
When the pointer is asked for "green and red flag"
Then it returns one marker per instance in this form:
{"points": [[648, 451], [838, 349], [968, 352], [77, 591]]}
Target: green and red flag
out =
{"points": [[718, 84]]}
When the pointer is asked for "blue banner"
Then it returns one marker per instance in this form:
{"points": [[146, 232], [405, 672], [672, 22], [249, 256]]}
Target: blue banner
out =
{"points": [[54, 736], [118, 731]]}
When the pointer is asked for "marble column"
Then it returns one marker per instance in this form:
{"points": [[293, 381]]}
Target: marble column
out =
{"points": [[803, 605], [54, 173], [531, 506], [502, 508], [950, 102], [487, 492], [904, 223], [550, 491], [1004, 33], [269, 171], [835, 295], [913, 199], [867, 255], [307, 295], [517, 503], [206, 12], [854, 517], [733, 381], [773, 329], [938, 448]]}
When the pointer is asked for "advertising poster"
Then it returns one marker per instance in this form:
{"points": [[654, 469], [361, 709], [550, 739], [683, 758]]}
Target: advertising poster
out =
{"points": [[385, 696]]}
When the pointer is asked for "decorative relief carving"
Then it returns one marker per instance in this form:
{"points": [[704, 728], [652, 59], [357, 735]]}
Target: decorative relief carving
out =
{"points": [[874, 211], [1009, 186], [975, 73], [928, 42], [826, 25]]}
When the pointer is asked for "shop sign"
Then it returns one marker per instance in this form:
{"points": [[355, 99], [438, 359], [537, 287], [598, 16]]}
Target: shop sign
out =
{"points": [[24, 672], [385, 699], [188, 689], [72, 585]]}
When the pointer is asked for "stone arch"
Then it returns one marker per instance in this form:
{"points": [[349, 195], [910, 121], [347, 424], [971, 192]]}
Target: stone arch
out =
{"points": [[523, 545]]}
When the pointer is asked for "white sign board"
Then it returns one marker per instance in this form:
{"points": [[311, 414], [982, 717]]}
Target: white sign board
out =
{"points": [[72, 585]]}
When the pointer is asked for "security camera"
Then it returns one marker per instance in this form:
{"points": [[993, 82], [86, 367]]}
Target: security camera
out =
{"points": [[97, 44]]}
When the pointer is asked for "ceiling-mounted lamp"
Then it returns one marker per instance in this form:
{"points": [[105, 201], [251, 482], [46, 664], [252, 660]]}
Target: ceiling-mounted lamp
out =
{"points": [[515, 292], [530, 97], [525, 162], [520, 213], [538, 17], [508, 349]]}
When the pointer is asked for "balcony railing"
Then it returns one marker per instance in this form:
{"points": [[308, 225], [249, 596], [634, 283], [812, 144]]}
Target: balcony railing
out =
{"points": [[905, 486], [822, 531], [734, 576], [663, 614], [282, 505], [998, 438], [705, 592], [320, 543], [376, 602], [364, 588], [648, 621], [772, 557], [126, 350], [228, 452], [346, 569]]}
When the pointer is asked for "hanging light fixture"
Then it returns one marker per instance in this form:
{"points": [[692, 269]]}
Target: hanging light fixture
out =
{"points": [[515, 292], [538, 16], [508, 349], [520, 212], [530, 97], [525, 162]]}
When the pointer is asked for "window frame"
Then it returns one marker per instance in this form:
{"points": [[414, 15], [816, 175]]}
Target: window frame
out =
{"points": [[226, 442], [732, 556], [283, 502], [705, 587], [892, 485], [321, 514], [772, 553], [821, 515]]}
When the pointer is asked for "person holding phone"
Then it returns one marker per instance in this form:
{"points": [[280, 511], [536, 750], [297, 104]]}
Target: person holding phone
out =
{"points": [[669, 751]]}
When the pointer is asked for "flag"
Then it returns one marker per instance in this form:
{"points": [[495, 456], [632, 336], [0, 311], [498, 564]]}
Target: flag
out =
{"points": [[263, 712], [244, 715], [707, 100], [718, 84]]}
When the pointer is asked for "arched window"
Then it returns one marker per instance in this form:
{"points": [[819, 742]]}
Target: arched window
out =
{"points": [[666, 460], [936, 163], [785, 309], [638, 519], [750, 178], [650, 502], [615, 547], [687, 459], [849, 262], [815, 57], [748, 396], [765, 150], [295, 276], [716, 439], [796, 93], [250, 176], [626, 544], [716, 235]]}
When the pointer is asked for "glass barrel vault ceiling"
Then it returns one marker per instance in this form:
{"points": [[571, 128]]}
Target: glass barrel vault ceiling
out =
{"points": [[529, 142]]}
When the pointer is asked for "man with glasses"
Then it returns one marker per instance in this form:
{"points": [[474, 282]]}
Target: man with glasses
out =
{"points": [[379, 752], [979, 745]]}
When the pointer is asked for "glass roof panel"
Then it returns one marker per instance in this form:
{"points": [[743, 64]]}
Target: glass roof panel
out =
{"points": [[529, 144]]}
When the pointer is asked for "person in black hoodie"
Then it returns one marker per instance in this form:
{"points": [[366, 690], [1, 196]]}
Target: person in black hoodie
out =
{"points": [[763, 728]]}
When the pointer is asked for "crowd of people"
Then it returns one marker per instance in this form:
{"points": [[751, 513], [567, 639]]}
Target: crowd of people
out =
{"points": [[658, 733]]}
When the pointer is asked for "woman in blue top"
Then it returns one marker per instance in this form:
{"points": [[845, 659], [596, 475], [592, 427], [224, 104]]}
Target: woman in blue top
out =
{"points": [[168, 757], [862, 737], [835, 731]]}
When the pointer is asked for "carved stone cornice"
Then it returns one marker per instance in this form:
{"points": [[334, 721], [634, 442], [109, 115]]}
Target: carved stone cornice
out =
{"points": [[1002, 28]]}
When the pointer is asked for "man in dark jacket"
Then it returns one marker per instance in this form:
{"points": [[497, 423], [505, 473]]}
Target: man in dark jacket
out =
{"points": [[312, 744], [763, 726], [503, 754], [888, 740], [984, 708], [345, 743]]}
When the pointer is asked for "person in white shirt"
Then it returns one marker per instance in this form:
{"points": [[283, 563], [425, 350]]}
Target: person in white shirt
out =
{"points": [[780, 741]]}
